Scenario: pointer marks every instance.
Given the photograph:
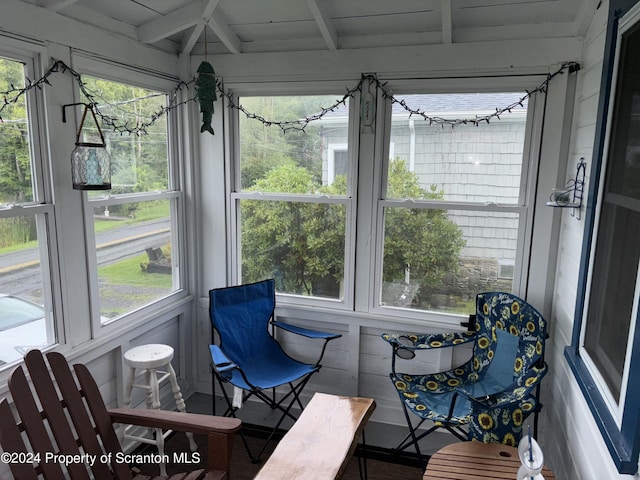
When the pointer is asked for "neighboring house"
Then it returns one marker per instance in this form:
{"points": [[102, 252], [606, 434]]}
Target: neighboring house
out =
{"points": [[441, 156]]}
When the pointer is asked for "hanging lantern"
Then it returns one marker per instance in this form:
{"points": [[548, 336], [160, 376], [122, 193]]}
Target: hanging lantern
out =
{"points": [[90, 162]]}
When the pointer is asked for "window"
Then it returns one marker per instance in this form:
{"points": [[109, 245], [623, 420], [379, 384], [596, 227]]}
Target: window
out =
{"points": [[293, 196], [26, 218], [441, 212], [338, 162], [136, 225], [453, 204], [604, 351]]}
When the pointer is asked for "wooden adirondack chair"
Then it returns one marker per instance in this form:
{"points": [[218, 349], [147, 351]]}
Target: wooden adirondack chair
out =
{"points": [[80, 424]]}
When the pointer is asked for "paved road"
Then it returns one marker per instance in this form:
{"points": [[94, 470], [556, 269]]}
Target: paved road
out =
{"points": [[20, 271]]}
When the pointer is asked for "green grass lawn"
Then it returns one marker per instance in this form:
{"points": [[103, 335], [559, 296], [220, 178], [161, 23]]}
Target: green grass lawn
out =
{"points": [[146, 211], [18, 246], [129, 272]]}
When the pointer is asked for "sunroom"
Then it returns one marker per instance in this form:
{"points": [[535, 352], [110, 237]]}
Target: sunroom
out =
{"points": [[383, 162]]}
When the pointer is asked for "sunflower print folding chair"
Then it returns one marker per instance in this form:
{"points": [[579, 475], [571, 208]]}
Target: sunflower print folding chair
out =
{"points": [[489, 397]]}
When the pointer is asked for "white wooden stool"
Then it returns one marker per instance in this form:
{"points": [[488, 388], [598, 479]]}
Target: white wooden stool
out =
{"points": [[153, 365]]}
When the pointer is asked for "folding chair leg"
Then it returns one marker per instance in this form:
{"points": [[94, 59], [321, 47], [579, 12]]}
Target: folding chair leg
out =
{"points": [[295, 391], [536, 412], [414, 439], [231, 412], [458, 433], [270, 400]]}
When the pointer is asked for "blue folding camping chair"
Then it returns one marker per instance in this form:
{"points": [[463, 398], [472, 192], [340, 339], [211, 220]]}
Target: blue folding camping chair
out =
{"points": [[488, 397], [250, 358]]}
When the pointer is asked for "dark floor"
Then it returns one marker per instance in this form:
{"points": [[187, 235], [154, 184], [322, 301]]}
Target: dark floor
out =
{"points": [[381, 465]]}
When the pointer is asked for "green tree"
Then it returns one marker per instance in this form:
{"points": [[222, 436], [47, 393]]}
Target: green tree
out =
{"points": [[302, 244], [298, 243], [421, 244], [263, 147], [138, 162], [15, 158]]}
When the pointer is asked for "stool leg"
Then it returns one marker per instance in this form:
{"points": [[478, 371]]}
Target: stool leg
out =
{"points": [[153, 401], [160, 444], [149, 392], [177, 395], [129, 387], [154, 389]]}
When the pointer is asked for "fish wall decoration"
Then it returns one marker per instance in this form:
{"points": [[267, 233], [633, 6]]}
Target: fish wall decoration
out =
{"points": [[206, 94]]}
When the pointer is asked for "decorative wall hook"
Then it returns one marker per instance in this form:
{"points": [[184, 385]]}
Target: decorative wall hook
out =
{"points": [[90, 161], [570, 196]]}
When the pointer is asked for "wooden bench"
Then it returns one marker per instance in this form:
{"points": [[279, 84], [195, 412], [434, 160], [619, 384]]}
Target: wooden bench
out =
{"points": [[322, 440]]}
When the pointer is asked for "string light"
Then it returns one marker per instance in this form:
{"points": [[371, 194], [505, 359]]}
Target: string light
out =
{"points": [[571, 66], [299, 124], [302, 123], [13, 95]]}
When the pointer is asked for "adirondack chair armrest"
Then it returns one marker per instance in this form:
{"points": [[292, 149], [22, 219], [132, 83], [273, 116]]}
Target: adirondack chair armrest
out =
{"points": [[219, 430], [179, 421]]}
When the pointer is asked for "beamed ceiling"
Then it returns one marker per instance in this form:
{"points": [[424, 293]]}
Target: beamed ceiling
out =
{"points": [[250, 26]]}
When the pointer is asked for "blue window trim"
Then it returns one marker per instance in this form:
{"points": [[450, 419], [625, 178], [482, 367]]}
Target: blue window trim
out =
{"points": [[622, 441]]}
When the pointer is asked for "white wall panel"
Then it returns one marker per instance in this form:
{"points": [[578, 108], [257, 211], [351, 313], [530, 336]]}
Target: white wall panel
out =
{"points": [[572, 442]]}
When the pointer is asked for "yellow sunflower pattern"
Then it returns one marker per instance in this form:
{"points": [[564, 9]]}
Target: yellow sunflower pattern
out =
{"points": [[501, 419]]}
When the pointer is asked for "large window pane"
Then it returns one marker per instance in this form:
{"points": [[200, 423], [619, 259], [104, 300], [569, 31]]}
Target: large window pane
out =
{"points": [[614, 288], [135, 225], [26, 319], [466, 163], [295, 231], [25, 322], [265, 147], [438, 254], [15, 157], [139, 163], [133, 245], [440, 259], [612, 293], [301, 245]]}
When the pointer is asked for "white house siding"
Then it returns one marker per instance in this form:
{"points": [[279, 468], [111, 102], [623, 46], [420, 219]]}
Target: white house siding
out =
{"points": [[572, 441], [471, 164], [466, 163]]}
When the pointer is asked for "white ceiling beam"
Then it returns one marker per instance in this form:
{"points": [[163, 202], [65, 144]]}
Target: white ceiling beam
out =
{"points": [[447, 22], [225, 34], [190, 40], [323, 20], [585, 15], [171, 23], [56, 5], [209, 8]]}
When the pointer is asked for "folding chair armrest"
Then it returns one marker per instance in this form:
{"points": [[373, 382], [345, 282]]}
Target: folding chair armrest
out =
{"points": [[427, 341], [221, 362], [307, 332]]}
